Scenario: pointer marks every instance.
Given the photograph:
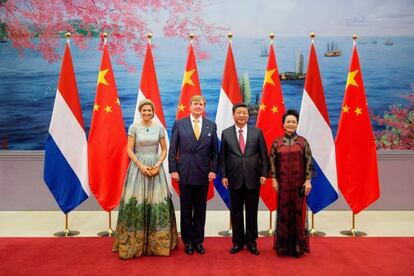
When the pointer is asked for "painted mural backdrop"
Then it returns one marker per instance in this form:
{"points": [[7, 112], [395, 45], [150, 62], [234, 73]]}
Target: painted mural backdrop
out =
{"points": [[32, 43]]}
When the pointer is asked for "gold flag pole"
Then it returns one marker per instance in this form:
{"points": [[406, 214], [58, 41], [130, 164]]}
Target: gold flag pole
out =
{"points": [[353, 232], [229, 232], [269, 232], [313, 232], [110, 232], [66, 232]]}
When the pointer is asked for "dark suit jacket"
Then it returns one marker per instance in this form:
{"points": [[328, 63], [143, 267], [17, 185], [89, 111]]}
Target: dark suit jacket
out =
{"points": [[247, 167], [193, 159]]}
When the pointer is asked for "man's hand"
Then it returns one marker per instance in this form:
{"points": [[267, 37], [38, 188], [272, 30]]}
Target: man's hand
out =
{"points": [[225, 182], [211, 176], [175, 176], [262, 180]]}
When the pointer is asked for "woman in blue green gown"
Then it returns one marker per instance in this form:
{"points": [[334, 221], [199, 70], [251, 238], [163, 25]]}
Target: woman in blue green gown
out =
{"points": [[146, 219]]}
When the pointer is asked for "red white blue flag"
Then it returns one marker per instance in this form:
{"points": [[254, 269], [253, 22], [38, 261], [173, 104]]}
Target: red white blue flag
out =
{"points": [[229, 95], [66, 148], [315, 127]]}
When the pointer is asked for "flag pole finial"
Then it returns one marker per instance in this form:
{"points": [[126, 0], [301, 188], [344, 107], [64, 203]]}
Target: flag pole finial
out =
{"points": [[104, 37], [354, 38], [67, 35], [312, 36], [149, 36], [272, 37], [230, 36], [191, 37]]}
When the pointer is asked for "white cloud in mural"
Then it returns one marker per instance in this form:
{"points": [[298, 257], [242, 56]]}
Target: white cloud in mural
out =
{"points": [[299, 17]]}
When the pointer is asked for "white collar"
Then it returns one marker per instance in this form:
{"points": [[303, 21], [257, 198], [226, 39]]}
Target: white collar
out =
{"points": [[192, 118], [243, 128]]}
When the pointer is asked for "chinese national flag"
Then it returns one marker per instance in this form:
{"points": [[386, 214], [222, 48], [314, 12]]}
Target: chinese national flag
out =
{"points": [[107, 154], [189, 88], [269, 119], [356, 156], [148, 89]]}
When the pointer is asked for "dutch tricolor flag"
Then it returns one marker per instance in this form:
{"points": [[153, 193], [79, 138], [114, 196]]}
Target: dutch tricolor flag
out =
{"points": [[229, 95], [66, 163], [315, 127]]}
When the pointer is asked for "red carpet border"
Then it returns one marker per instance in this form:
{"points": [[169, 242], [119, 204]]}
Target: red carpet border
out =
{"points": [[93, 256]]}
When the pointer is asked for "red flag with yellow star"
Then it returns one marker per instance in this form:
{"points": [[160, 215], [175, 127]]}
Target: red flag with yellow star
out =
{"points": [[107, 142], [356, 155], [148, 89], [269, 119], [189, 88]]}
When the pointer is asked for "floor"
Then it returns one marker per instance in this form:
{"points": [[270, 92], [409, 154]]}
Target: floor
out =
{"points": [[89, 223]]}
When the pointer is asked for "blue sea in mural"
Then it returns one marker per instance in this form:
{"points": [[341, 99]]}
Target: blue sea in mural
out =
{"points": [[28, 82]]}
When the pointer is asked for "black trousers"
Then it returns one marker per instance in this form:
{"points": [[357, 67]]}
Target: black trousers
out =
{"points": [[193, 202], [243, 197]]}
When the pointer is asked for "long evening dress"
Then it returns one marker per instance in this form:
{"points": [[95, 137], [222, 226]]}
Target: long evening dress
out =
{"points": [[291, 165], [146, 219]]}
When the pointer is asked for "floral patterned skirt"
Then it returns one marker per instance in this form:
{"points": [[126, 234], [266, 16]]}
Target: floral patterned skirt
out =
{"points": [[146, 219]]}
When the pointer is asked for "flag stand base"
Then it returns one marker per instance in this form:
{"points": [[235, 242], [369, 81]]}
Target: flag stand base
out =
{"points": [[66, 233], [226, 233], [266, 233], [314, 233], [108, 233], [353, 233], [269, 232]]}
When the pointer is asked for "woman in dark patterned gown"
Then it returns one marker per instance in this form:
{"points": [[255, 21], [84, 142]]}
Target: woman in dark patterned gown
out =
{"points": [[291, 170]]}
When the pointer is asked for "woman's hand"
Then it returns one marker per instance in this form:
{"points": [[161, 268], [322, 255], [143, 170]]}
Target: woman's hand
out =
{"points": [[144, 170], [275, 184], [308, 186]]}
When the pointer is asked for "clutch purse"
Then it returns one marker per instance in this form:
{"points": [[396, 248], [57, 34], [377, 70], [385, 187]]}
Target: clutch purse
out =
{"points": [[302, 191], [153, 171]]}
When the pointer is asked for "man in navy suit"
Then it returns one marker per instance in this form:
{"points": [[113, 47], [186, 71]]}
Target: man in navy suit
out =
{"points": [[193, 162], [244, 168]]}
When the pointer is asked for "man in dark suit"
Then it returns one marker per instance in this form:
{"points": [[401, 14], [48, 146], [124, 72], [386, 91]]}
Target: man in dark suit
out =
{"points": [[193, 161], [244, 168]]}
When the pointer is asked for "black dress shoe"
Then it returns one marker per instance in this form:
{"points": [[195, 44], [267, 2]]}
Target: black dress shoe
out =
{"points": [[189, 249], [200, 248], [236, 248], [253, 249]]}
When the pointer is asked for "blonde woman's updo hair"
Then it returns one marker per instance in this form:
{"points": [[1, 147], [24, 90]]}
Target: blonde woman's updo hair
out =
{"points": [[147, 102]]}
